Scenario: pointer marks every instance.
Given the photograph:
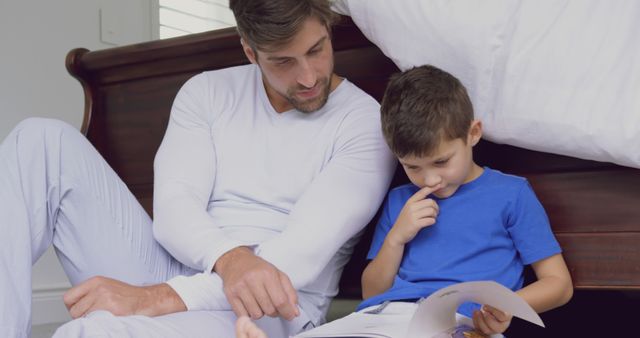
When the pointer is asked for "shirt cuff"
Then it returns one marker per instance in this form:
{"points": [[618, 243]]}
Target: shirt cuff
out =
{"points": [[202, 291]]}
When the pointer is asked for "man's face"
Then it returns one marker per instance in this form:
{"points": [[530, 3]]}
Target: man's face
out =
{"points": [[298, 75]]}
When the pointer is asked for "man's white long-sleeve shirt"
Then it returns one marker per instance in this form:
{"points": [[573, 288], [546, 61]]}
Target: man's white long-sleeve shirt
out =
{"points": [[296, 186]]}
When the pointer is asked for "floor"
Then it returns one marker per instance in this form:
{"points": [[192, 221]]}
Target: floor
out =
{"points": [[44, 330]]}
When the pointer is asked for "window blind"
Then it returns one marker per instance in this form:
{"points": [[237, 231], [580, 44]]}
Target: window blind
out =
{"points": [[181, 17]]}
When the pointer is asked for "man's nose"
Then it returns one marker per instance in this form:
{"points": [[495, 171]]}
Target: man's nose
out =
{"points": [[306, 75]]}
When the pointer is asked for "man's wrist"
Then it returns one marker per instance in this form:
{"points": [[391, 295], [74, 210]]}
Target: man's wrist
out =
{"points": [[161, 299], [228, 257]]}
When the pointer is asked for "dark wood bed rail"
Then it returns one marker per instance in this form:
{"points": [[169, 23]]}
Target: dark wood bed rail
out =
{"points": [[594, 207]]}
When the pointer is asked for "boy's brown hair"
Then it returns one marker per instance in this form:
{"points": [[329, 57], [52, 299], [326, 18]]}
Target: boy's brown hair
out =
{"points": [[269, 24], [422, 107]]}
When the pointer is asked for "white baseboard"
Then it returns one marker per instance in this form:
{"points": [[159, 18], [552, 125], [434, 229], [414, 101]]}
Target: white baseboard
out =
{"points": [[48, 307]]}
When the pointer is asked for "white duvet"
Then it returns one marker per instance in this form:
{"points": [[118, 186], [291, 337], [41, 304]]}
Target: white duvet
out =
{"points": [[557, 76]]}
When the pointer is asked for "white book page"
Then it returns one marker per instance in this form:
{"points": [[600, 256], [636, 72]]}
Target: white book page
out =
{"points": [[433, 317], [358, 324], [437, 313]]}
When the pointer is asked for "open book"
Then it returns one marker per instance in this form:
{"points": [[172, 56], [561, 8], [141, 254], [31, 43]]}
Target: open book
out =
{"points": [[434, 317]]}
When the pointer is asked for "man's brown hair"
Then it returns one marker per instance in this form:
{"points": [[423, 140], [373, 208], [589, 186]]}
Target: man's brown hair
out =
{"points": [[422, 107], [268, 24]]}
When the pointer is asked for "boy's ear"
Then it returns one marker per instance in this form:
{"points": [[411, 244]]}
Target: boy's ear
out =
{"points": [[248, 51], [475, 132]]}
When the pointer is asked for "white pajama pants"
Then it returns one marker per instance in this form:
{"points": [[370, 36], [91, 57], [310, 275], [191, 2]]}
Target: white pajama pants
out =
{"points": [[56, 189]]}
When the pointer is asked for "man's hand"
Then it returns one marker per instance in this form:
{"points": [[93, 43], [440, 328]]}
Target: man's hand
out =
{"points": [[418, 212], [121, 299], [254, 287], [490, 320]]}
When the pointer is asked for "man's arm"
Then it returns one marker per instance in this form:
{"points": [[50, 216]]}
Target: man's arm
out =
{"points": [[184, 174], [184, 178], [337, 205], [233, 277]]}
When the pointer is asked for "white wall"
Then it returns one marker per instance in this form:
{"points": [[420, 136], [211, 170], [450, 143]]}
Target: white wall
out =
{"points": [[35, 37]]}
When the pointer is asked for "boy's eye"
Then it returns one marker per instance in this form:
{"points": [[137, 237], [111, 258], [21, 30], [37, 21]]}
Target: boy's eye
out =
{"points": [[284, 62], [441, 162]]}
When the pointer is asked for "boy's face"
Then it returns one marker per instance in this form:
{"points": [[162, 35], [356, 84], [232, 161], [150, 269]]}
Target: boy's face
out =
{"points": [[300, 74], [450, 166]]}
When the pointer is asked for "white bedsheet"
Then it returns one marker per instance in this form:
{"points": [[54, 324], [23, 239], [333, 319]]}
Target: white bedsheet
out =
{"points": [[557, 76]]}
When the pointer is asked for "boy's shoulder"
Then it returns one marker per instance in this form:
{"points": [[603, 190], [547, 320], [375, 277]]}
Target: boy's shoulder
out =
{"points": [[504, 182], [502, 186], [498, 177]]}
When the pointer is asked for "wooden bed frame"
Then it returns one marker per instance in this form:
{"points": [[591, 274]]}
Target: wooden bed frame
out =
{"points": [[594, 207]]}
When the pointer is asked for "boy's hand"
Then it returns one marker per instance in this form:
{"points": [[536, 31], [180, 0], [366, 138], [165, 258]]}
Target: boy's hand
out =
{"points": [[245, 328], [418, 212], [490, 320]]}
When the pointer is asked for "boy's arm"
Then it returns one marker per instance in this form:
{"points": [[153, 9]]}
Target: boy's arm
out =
{"points": [[378, 276], [553, 287], [417, 213]]}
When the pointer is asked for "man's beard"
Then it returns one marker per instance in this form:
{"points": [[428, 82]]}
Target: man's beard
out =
{"points": [[314, 104]]}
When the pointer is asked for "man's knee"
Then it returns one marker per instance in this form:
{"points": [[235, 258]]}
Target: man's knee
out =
{"points": [[34, 134], [81, 327], [97, 324], [38, 125], [104, 324]]}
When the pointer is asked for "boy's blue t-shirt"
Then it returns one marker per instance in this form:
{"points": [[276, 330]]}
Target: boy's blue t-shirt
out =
{"points": [[487, 230]]}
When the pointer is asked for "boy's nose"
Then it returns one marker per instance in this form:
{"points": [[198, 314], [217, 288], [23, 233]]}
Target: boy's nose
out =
{"points": [[432, 180]]}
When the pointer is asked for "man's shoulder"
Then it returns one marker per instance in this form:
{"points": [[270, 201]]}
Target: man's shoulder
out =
{"points": [[228, 75], [350, 99], [353, 110], [225, 78]]}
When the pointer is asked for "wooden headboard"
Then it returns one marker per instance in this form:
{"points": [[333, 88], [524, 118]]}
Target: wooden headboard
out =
{"points": [[594, 207]]}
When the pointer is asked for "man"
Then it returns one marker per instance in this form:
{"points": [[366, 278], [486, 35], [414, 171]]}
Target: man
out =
{"points": [[265, 173]]}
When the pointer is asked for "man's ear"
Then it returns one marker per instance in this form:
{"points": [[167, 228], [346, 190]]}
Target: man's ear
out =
{"points": [[248, 51], [475, 132]]}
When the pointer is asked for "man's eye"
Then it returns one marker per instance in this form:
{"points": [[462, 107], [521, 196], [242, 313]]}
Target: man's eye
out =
{"points": [[284, 62]]}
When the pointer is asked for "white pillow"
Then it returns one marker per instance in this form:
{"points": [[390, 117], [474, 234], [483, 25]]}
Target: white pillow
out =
{"points": [[555, 76]]}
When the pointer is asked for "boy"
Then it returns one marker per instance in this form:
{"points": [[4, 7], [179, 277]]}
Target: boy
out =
{"points": [[457, 221]]}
